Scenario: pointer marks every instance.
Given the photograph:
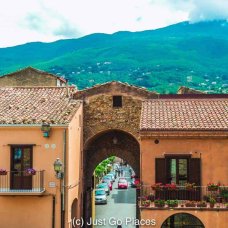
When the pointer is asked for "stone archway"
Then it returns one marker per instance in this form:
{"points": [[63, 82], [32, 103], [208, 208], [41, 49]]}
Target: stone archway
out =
{"points": [[182, 220], [103, 145]]}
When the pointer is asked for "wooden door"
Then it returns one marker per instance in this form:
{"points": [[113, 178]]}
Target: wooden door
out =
{"points": [[21, 159]]}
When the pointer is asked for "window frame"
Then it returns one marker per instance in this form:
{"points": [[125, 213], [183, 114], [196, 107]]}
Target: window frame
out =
{"points": [[117, 103], [168, 171]]}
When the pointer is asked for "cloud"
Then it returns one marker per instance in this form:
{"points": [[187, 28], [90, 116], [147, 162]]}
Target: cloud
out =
{"points": [[67, 30], [207, 10]]}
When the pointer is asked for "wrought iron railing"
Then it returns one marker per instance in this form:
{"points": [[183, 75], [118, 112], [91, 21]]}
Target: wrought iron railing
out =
{"points": [[22, 181], [196, 197]]}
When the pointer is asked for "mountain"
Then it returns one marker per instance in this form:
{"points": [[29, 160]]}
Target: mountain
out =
{"points": [[194, 55]]}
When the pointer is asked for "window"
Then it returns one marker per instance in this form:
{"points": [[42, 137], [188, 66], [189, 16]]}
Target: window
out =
{"points": [[117, 101], [177, 170]]}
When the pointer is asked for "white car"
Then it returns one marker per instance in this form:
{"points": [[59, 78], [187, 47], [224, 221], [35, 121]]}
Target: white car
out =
{"points": [[100, 196]]}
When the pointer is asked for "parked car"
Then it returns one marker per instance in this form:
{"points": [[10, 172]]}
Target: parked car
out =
{"points": [[112, 176], [108, 182], [105, 187], [107, 178], [122, 183], [114, 173], [100, 196], [135, 182]]}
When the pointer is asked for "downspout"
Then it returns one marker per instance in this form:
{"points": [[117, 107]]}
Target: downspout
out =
{"points": [[63, 182], [53, 211]]}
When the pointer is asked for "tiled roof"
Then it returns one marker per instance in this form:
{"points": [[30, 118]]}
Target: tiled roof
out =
{"points": [[184, 114], [37, 105]]}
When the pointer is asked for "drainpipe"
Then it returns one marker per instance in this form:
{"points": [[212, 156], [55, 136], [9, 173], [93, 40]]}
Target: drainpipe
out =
{"points": [[63, 182], [53, 211]]}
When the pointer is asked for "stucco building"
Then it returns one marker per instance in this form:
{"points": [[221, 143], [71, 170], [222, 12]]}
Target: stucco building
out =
{"points": [[167, 139]]}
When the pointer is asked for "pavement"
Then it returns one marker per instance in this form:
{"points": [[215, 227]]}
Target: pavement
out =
{"points": [[121, 206]]}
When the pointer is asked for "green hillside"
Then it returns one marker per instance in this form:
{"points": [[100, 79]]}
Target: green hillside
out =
{"points": [[195, 55]]}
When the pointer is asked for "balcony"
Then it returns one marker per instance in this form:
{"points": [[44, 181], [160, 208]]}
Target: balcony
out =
{"points": [[22, 183], [182, 198]]}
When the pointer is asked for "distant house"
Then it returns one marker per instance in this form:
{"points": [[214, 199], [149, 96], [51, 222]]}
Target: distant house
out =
{"points": [[186, 90], [31, 77]]}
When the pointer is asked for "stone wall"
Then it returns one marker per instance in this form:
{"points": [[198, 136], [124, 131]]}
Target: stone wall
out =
{"points": [[28, 77], [99, 115]]}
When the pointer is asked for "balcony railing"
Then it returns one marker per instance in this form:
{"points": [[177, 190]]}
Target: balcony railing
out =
{"points": [[198, 197], [21, 182]]}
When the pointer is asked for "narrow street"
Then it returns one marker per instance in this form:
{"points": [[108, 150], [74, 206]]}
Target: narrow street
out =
{"points": [[121, 205]]}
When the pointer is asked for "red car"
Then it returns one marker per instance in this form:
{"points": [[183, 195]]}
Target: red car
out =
{"points": [[122, 183], [108, 182]]}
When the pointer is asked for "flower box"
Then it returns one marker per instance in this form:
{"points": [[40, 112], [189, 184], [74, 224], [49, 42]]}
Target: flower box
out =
{"points": [[157, 186], [30, 171], [212, 187], [190, 186], [159, 203], [145, 203], [3, 172], [201, 204], [172, 203], [190, 204]]}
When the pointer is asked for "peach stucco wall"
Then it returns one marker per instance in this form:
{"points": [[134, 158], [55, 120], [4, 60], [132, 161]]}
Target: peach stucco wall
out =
{"points": [[45, 152], [74, 168], [32, 209], [213, 153], [210, 219], [25, 212]]}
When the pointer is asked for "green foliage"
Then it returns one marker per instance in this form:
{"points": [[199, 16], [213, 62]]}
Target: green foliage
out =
{"points": [[194, 55]]}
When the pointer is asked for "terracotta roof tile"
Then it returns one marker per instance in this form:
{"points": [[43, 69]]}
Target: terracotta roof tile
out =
{"points": [[183, 114], [36, 105]]}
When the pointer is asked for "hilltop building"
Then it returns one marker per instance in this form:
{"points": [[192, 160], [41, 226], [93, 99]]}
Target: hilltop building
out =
{"points": [[177, 144], [31, 77]]}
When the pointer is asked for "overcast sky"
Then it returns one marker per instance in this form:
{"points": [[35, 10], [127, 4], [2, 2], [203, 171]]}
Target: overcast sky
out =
{"points": [[48, 20]]}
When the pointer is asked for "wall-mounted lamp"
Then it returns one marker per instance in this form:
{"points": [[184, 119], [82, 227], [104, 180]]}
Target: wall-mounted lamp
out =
{"points": [[46, 128], [115, 140], [58, 168]]}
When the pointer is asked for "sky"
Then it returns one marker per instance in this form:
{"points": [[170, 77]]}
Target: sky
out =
{"points": [[49, 20]]}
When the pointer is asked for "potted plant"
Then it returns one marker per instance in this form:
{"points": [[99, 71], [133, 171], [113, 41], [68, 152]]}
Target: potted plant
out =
{"points": [[159, 203], [190, 204], [172, 203], [3, 172], [224, 193], [145, 203], [212, 202], [30, 171], [212, 187], [157, 186], [171, 186], [151, 197], [189, 186], [201, 204]]}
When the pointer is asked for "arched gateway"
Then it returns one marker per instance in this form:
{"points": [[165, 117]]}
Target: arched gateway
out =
{"points": [[109, 143], [111, 111]]}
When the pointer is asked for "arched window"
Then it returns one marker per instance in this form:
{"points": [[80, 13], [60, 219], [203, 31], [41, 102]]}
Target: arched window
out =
{"points": [[182, 220]]}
